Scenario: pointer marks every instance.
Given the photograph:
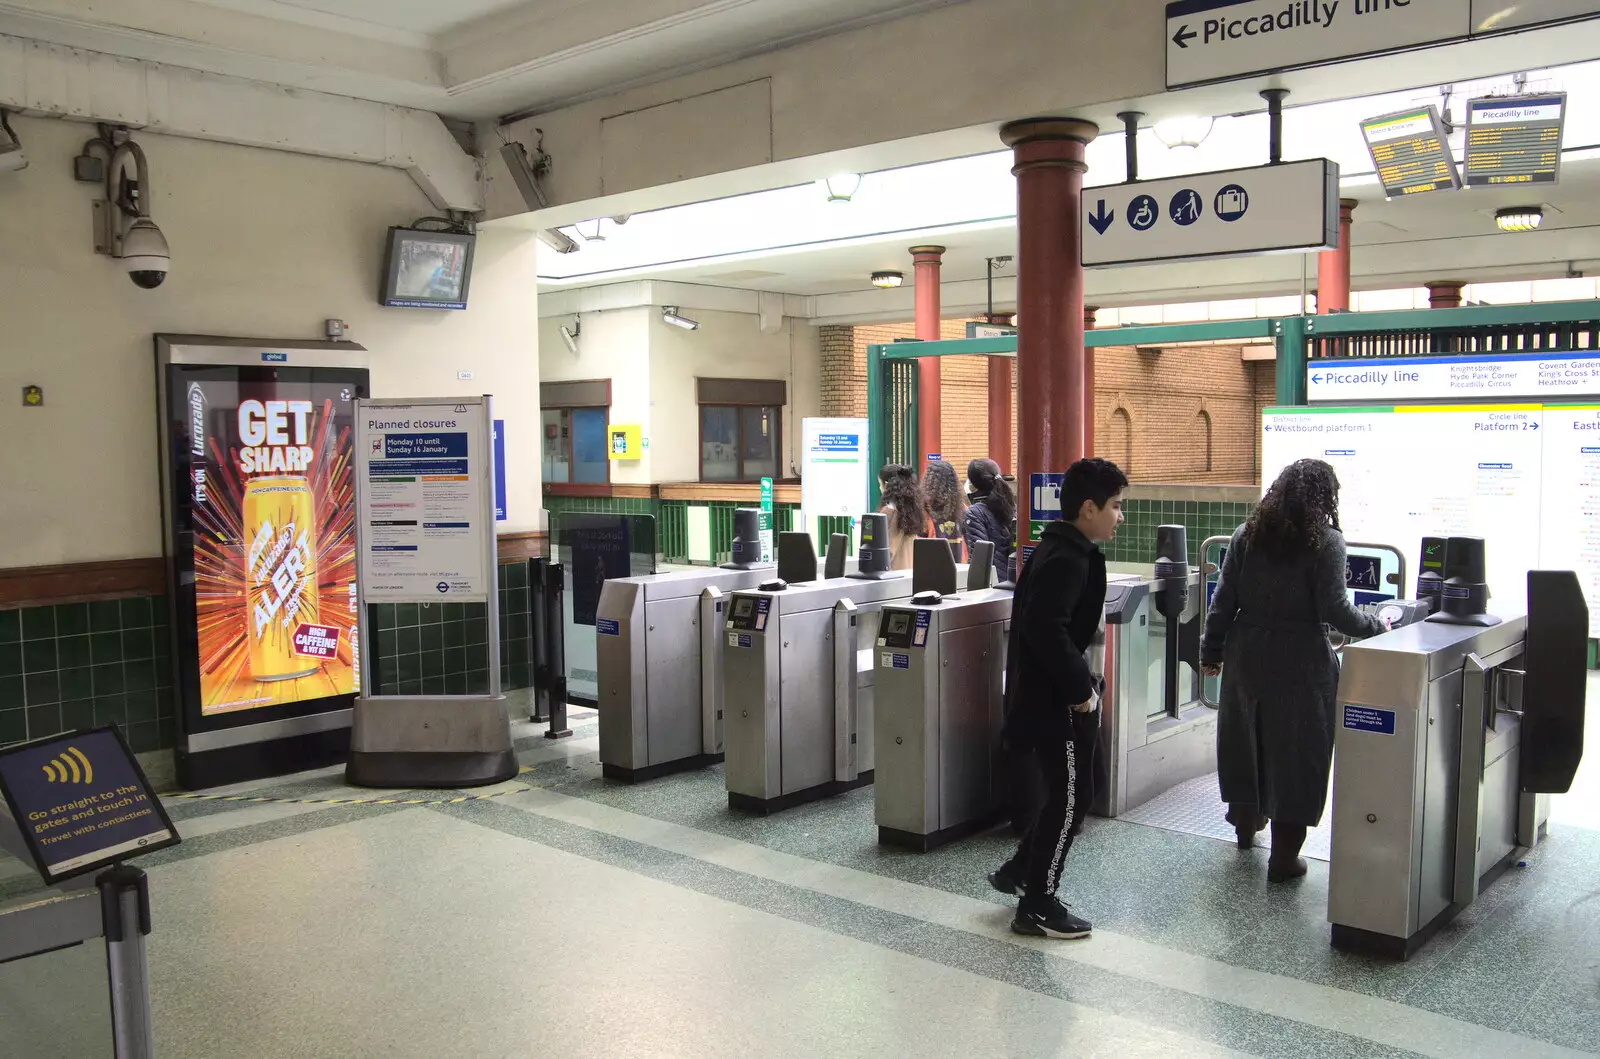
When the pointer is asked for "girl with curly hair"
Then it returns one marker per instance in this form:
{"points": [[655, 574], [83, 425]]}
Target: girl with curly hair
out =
{"points": [[947, 502], [907, 509], [1282, 581]]}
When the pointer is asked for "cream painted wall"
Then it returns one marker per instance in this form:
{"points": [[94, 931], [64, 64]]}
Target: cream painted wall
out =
{"points": [[265, 244], [614, 345], [727, 346], [918, 76], [652, 368]]}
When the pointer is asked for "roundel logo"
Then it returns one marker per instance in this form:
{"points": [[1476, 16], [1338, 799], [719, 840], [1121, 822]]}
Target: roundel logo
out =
{"points": [[442, 587]]}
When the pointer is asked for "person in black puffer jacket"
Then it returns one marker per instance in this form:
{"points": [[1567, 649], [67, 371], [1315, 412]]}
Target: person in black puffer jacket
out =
{"points": [[991, 515]]}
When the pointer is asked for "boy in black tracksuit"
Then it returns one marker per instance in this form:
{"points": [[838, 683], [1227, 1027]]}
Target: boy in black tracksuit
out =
{"points": [[1052, 698]]}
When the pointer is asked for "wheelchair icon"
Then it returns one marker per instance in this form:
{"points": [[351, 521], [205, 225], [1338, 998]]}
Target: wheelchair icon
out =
{"points": [[1143, 213]]}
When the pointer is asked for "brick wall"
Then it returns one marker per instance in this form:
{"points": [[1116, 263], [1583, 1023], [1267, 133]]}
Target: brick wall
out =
{"points": [[844, 380], [1189, 414]]}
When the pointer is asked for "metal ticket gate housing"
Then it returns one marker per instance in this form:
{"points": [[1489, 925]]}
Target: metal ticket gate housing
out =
{"points": [[938, 710], [1450, 740], [797, 690], [1145, 750], [658, 655]]}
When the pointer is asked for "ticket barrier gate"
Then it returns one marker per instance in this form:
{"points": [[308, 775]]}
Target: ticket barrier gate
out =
{"points": [[797, 680], [1147, 746], [659, 659], [650, 657], [1450, 740], [940, 704]]}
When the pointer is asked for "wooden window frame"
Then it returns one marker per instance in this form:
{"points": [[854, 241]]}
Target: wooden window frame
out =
{"points": [[567, 397], [742, 479]]}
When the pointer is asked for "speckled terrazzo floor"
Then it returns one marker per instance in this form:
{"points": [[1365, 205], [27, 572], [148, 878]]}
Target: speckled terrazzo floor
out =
{"points": [[573, 916]]}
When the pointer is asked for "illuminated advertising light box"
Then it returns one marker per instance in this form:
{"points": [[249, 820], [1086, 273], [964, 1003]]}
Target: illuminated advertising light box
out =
{"points": [[260, 541]]}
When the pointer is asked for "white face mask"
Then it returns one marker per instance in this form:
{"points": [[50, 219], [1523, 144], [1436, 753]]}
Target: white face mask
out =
{"points": [[969, 488]]}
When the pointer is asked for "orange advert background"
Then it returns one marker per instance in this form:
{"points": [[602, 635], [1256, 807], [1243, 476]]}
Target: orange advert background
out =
{"points": [[223, 613]]}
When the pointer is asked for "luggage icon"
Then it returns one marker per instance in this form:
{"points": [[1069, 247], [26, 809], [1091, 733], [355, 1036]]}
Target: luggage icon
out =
{"points": [[1232, 202]]}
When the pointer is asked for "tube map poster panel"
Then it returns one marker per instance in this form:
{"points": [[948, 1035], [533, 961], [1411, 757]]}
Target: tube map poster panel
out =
{"points": [[272, 505]]}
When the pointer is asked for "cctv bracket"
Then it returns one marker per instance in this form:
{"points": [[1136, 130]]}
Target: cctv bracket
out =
{"points": [[106, 234]]}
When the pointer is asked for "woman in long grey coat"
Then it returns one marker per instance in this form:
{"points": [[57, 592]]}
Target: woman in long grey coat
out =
{"points": [[1282, 581]]}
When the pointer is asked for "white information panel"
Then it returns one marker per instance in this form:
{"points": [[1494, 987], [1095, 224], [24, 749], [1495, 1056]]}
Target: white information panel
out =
{"points": [[833, 472], [426, 517], [1411, 472], [1210, 40], [1264, 209], [1569, 537], [1498, 376]]}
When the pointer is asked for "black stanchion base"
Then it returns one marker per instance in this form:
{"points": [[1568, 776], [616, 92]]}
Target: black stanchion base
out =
{"points": [[558, 735], [443, 770], [665, 768], [746, 803]]}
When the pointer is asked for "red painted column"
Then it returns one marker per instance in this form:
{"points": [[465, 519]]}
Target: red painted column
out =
{"points": [[1333, 266], [1048, 157], [1088, 383], [1445, 294], [1000, 391], [926, 259]]}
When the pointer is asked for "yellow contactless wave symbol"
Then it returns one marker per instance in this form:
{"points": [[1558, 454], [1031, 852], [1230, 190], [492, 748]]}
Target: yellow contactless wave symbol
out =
{"points": [[66, 768]]}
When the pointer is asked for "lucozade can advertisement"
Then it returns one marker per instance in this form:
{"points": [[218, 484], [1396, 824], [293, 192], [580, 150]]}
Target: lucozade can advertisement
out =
{"points": [[272, 510]]}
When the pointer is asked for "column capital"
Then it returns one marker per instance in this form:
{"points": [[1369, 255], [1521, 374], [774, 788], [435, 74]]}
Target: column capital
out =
{"points": [[1030, 130], [1049, 143], [927, 252], [1347, 207], [1445, 293]]}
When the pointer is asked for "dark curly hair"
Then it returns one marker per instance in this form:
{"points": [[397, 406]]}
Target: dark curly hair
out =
{"points": [[901, 491], [942, 490], [1297, 511]]}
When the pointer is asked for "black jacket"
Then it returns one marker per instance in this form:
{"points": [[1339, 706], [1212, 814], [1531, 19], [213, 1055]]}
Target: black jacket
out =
{"points": [[980, 523], [1059, 603]]}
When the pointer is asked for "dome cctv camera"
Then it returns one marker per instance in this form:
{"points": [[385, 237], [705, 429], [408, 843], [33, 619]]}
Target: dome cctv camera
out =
{"points": [[144, 253]]}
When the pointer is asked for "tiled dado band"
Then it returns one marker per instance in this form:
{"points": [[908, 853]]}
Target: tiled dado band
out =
{"points": [[1204, 510], [71, 665]]}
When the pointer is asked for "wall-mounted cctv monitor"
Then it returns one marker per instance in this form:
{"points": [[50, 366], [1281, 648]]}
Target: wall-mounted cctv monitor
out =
{"points": [[426, 269]]}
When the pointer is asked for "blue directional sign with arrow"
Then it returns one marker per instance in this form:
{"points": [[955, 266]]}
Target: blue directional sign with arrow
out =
{"points": [[1290, 206]]}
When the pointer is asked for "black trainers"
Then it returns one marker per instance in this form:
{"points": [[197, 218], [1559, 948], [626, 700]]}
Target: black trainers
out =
{"points": [[1006, 880], [1048, 919]]}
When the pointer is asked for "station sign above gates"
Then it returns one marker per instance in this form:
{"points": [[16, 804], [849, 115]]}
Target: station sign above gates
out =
{"points": [[1265, 209], [1218, 40]]}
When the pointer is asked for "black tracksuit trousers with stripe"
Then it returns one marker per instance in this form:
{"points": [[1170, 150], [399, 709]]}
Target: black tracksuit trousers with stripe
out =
{"points": [[1065, 760]]}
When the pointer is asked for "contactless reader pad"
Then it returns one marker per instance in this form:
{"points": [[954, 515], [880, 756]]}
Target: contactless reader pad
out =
{"points": [[1398, 613]]}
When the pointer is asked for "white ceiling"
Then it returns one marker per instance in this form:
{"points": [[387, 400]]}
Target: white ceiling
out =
{"points": [[470, 59], [425, 17], [791, 240]]}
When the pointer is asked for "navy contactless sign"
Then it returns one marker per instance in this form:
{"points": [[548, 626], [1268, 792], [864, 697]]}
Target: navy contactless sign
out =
{"points": [[1367, 719], [82, 803], [607, 627]]}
